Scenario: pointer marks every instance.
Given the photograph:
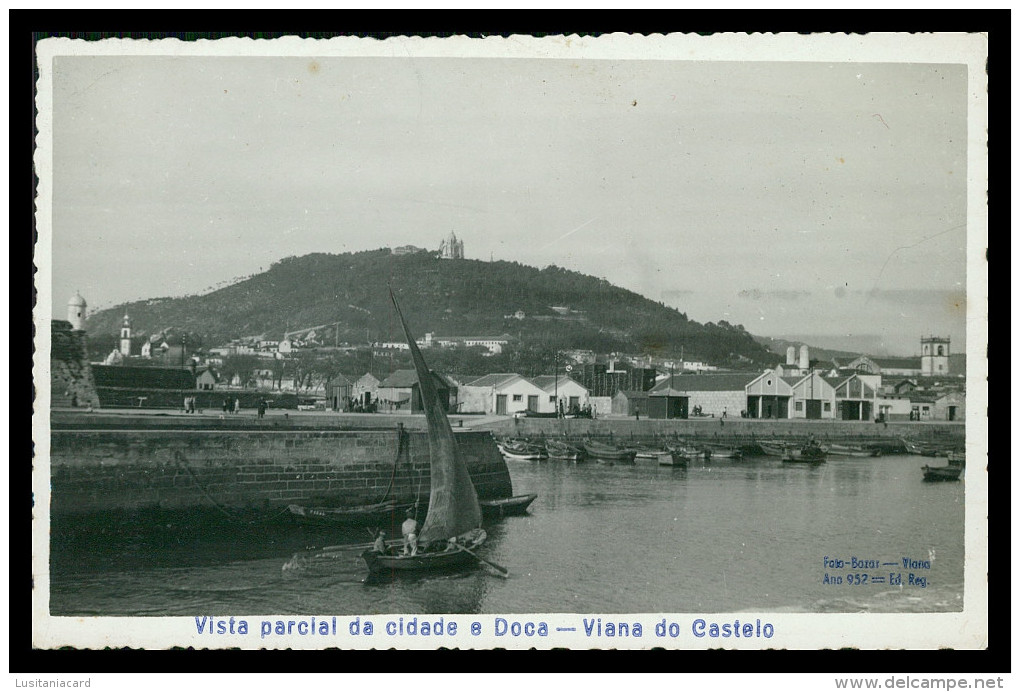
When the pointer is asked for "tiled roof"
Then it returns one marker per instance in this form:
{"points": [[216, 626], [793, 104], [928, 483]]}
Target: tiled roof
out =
{"points": [[548, 382], [632, 394], [728, 382], [492, 380], [401, 379], [898, 363]]}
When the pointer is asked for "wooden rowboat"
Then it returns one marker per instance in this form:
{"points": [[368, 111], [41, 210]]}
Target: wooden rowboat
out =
{"points": [[523, 451], [609, 452], [836, 450], [557, 449], [942, 473], [440, 560], [507, 506], [807, 455], [675, 457], [380, 514]]}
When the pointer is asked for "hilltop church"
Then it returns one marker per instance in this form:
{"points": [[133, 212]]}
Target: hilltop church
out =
{"points": [[451, 248]]}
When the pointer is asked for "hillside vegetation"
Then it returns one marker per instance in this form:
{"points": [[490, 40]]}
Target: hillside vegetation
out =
{"points": [[445, 297]]}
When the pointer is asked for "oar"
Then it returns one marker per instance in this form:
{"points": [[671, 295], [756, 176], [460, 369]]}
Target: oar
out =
{"points": [[501, 571]]}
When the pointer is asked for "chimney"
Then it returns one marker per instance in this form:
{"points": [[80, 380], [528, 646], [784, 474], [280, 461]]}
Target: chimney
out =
{"points": [[804, 361], [791, 355]]}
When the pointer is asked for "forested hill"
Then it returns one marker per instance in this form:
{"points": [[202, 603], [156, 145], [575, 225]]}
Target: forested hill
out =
{"points": [[445, 297]]}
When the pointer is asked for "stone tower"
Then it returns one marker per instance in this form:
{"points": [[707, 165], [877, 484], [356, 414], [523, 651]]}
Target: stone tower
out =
{"points": [[76, 312], [125, 337], [934, 355]]}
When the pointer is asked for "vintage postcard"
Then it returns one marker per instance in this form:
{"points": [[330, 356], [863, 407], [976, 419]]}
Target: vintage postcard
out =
{"points": [[614, 342]]}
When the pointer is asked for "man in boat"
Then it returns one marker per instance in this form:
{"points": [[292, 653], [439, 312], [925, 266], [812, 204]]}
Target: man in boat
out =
{"points": [[410, 531], [380, 542]]}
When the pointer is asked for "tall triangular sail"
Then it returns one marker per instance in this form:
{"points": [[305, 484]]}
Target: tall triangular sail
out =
{"points": [[453, 503]]}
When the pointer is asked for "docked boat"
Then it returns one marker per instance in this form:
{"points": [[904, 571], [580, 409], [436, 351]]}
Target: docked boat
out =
{"points": [[675, 456], [379, 514], [773, 449], [507, 506], [837, 450], [809, 454], [607, 452], [921, 449], [649, 453], [452, 527], [725, 452], [934, 474], [518, 449], [557, 449]]}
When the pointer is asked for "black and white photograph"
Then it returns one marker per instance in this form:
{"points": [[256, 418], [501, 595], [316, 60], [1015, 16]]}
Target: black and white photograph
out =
{"points": [[608, 341]]}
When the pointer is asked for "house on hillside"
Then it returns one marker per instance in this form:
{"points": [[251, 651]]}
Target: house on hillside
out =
{"points": [[502, 394], [493, 344], [561, 393]]}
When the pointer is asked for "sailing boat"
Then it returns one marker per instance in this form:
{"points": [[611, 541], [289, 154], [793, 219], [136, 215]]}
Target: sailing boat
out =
{"points": [[452, 526]]}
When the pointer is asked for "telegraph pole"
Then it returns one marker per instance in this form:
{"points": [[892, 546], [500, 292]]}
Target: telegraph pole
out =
{"points": [[556, 383]]}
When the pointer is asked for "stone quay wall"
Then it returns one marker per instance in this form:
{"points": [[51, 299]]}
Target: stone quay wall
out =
{"points": [[250, 473], [728, 429]]}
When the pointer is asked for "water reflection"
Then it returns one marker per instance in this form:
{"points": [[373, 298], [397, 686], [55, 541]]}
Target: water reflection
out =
{"points": [[738, 534]]}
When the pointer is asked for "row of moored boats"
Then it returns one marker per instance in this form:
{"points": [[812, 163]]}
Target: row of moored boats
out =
{"points": [[679, 453], [668, 454]]}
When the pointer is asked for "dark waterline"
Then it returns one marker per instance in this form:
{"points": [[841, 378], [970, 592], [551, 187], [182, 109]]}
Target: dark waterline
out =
{"points": [[721, 536]]}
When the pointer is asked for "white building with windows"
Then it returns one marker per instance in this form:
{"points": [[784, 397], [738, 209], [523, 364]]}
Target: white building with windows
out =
{"points": [[502, 394], [572, 394]]}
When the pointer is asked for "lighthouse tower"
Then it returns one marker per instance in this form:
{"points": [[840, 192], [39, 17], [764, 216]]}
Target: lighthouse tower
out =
{"points": [[125, 337], [76, 314]]}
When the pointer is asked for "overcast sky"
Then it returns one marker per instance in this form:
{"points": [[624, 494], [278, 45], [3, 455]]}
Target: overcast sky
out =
{"points": [[792, 198]]}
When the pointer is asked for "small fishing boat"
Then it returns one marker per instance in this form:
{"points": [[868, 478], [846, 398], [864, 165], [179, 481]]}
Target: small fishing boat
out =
{"points": [[837, 450], [957, 459], [452, 529], [507, 506], [934, 474], [687, 451], [524, 451], [725, 452], [773, 449], [379, 514], [921, 449], [675, 456], [557, 449], [809, 454], [649, 453], [607, 452], [394, 560]]}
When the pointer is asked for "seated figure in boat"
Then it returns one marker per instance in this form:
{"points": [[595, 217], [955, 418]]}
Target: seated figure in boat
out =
{"points": [[380, 542], [451, 544], [410, 531]]}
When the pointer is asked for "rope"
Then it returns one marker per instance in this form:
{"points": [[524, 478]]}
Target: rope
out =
{"points": [[396, 460], [181, 462]]}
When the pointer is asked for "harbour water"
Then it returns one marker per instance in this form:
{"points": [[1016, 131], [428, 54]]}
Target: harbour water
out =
{"points": [[721, 536]]}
